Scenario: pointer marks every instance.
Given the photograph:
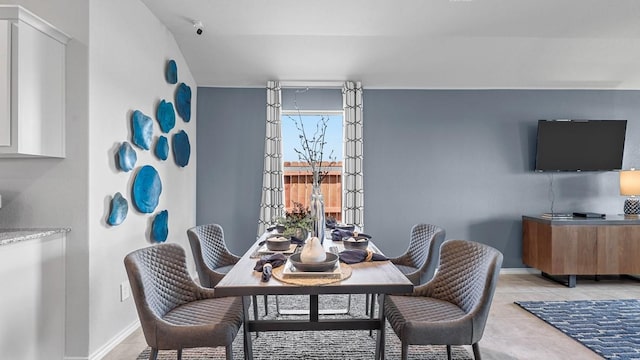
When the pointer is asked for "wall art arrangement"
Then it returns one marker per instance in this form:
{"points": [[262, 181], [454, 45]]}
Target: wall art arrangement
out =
{"points": [[119, 210], [183, 101], [159, 227], [162, 148], [166, 116], [181, 148], [146, 187], [126, 157], [142, 127]]}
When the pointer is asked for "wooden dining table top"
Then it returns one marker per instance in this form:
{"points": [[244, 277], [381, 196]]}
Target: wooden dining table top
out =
{"points": [[381, 277]]}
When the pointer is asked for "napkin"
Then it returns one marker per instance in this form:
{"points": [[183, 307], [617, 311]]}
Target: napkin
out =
{"points": [[339, 234], [358, 255], [275, 260]]}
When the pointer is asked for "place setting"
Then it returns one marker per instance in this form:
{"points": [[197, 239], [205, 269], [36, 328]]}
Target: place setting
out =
{"points": [[310, 263]]}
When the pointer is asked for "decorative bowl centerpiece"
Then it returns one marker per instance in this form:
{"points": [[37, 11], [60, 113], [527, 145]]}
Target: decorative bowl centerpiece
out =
{"points": [[356, 242], [327, 265], [277, 242]]}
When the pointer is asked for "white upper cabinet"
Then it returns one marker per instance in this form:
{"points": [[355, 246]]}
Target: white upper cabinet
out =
{"points": [[32, 85]]}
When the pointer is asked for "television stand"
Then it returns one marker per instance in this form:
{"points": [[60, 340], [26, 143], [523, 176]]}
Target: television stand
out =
{"points": [[562, 249]]}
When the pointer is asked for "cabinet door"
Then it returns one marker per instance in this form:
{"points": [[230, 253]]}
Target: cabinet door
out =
{"points": [[40, 90], [5, 83], [619, 249]]}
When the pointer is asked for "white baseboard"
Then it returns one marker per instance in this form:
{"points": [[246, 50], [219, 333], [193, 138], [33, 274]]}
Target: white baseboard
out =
{"points": [[115, 341], [519, 271]]}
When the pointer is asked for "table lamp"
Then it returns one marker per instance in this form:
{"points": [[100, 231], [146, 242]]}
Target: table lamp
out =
{"points": [[630, 186]]}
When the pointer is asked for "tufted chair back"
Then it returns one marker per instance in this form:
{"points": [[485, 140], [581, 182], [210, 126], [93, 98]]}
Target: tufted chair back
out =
{"points": [[159, 280], [467, 277], [160, 275], [210, 253], [420, 260], [421, 235]]}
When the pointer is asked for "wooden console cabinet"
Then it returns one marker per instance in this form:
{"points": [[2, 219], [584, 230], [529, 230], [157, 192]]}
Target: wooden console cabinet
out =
{"points": [[582, 246]]}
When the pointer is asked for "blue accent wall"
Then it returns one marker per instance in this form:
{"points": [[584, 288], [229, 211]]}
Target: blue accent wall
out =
{"points": [[230, 148], [461, 159]]}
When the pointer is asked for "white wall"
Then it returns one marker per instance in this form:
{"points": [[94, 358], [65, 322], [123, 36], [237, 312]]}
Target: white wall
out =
{"points": [[115, 64], [128, 53]]}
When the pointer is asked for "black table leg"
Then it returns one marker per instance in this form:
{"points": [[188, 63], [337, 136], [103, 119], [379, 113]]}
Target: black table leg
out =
{"points": [[313, 308]]}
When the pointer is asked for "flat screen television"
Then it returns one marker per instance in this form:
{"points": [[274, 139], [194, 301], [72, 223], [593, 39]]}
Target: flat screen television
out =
{"points": [[580, 145]]}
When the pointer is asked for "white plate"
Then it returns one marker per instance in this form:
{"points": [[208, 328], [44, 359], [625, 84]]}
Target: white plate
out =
{"points": [[291, 271]]}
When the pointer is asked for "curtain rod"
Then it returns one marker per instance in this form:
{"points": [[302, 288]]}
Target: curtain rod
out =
{"points": [[312, 84]]}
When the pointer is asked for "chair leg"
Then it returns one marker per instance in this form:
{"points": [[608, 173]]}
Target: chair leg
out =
{"points": [[153, 355], [266, 306], [366, 304], [248, 347], [372, 309], [229, 352], [277, 306], [380, 347], [476, 351], [254, 300], [179, 354], [405, 351], [448, 352]]}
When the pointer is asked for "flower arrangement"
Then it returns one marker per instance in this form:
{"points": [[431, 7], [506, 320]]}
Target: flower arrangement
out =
{"points": [[298, 218]]}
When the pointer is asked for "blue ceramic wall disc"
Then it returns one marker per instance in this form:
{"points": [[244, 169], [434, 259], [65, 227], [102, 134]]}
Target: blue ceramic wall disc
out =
{"points": [[162, 148], [166, 116], [181, 148], [146, 189], [183, 102], [119, 210], [171, 72], [160, 227], [126, 157], [142, 127]]}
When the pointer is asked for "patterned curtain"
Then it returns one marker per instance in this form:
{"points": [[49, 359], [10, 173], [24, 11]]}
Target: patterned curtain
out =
{"points": [[271, 205], [352, 178]]}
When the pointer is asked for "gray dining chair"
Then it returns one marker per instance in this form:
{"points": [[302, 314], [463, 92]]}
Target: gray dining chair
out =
{"points": [[452, 308], [212, 257], [174, 311], [420, 261]]}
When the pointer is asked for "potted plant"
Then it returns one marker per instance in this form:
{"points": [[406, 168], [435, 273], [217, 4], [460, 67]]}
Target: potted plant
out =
{"points": [[298, 222]]}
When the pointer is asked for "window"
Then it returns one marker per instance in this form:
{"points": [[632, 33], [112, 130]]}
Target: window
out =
{"points": [[297, 174]]}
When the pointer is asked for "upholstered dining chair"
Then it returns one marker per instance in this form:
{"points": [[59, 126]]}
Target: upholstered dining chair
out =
{"points": [[420, 261], [212, 257], [453, 307], [174, 311]]}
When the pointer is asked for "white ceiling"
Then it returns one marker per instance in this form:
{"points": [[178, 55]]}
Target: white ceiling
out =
{"points": [[427, 44]]}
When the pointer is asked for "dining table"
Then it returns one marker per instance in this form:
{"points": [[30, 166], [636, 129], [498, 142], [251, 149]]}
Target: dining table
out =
{"points": [[369, 277]]}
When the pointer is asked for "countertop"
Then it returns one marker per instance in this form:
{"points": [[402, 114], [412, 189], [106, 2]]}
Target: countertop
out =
{"points": [[11, 236], [609, 219]]}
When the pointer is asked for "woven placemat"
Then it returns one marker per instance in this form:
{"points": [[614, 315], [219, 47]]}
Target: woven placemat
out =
{"points": [[345, 271]]}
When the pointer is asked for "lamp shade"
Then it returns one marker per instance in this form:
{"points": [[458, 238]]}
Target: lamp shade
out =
{"points": [[630, 182]]}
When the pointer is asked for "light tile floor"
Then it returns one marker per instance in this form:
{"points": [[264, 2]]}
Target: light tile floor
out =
{"points": [[511, 333]]}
